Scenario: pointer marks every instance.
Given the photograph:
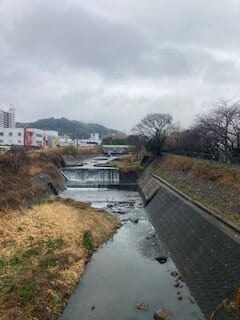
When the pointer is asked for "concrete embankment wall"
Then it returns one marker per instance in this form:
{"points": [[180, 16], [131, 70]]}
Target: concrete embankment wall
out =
{"points": [[205, 251], [51, 185]]}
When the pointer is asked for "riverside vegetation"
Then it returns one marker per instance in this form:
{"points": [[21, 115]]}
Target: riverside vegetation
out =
{"points": [[216, 185], [128, 164], [45, 243]]}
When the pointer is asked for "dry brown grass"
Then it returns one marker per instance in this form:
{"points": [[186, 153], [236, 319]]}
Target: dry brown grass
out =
{"points": [[90, 150], [228, 309], [16, 190], [213, 184], [43, 255], [128, 164], [204, 170]]}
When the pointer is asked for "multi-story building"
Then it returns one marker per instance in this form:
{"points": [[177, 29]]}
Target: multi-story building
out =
{"points": [[7, 118], [11, 136], [28, 137]]}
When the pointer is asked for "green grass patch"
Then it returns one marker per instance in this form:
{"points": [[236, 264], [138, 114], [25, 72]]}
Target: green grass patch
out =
{"points": [[31, 252], [24, 291], [49, 263], [19, 228], [55, 244], [3, 263], [87, 241]]}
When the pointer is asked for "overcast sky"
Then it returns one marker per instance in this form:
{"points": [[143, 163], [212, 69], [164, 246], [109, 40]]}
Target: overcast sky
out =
{"points": [[114, 61]]}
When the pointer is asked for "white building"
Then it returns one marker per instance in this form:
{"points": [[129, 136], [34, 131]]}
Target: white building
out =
{"points": [[94, 140], [7, 118], [11, 136], [29, 137], [63, 141]]}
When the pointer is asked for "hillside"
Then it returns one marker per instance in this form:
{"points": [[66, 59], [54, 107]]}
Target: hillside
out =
{"points": [[74, 129]]}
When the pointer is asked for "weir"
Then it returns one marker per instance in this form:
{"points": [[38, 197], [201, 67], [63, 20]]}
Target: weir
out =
{"points": [[90, 175]]}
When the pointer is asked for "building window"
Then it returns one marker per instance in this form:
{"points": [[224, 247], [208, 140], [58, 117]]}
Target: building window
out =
{"points": [[1, 134], [19, 141], [19, 134], [39, 135], [10, 134], [1, 141]]}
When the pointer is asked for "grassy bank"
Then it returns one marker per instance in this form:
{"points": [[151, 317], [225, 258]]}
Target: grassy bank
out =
{"points": [[44, 244], [44, 251], [128, 164], [16, 170], [215, 185]]}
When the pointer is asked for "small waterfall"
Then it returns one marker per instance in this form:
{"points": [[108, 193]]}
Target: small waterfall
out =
{"points": [[92, 175]]}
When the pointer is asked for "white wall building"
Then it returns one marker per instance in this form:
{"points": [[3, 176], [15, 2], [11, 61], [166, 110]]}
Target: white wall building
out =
{"points": [[64, 141], [93, 140], [11, 136], [16, 136]]}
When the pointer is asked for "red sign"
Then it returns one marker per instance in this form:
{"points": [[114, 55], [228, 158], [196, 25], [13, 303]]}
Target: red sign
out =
{"points": [[28, 138]]}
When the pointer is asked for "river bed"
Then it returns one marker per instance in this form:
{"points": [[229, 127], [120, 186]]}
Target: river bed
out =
{"points": [[124, 272]]}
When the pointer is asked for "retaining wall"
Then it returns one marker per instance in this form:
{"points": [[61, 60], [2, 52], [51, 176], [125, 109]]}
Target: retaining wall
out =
{"points": [[205, 251], [52, 186]]}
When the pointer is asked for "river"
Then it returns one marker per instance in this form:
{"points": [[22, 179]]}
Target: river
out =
{"points": [[124, 272]]}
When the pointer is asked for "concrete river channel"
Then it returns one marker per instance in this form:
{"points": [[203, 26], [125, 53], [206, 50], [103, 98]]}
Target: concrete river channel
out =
{"points": [[124, 272]]}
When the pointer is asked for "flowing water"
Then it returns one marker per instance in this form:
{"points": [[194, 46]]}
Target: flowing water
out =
{"points": [[124, 272], [94, 172]]}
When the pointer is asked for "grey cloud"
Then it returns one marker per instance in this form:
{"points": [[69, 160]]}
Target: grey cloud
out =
{"points": [[212, 23], [52, 37], [50, 50], [55, 37]]}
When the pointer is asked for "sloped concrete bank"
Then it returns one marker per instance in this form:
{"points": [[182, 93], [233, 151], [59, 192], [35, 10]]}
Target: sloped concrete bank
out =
{"points": [[205, 250]]}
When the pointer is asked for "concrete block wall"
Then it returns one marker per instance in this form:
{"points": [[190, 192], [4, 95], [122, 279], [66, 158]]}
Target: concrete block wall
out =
{"points": [[206, 252]]}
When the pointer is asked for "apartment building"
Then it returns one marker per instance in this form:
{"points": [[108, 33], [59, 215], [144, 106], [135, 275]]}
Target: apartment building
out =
{"points": [[7, 118]]}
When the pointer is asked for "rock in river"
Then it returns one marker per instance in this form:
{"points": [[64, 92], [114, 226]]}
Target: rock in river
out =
{"points": [[162, 259], [142, 306], [174, 274], [162, 314]]}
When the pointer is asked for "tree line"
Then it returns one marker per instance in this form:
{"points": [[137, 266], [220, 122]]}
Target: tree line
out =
{"points": [[213, 135]]}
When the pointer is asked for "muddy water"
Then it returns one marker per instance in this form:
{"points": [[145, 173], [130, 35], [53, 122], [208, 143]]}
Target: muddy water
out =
{"points": [[124, 271]]}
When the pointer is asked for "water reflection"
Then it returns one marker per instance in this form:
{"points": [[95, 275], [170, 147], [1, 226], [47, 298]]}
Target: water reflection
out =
{"points": [[124, 272]]}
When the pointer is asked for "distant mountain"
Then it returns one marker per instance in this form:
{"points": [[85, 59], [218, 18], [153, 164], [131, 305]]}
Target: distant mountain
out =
{"points": [[72, 128]]}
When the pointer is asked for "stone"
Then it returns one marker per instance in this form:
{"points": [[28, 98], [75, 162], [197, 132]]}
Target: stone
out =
{"points": [[162, 259], [135, 220], [174, 274], [177, 284], [121, 211], [142, 306], [179, 298], [162, 314]]}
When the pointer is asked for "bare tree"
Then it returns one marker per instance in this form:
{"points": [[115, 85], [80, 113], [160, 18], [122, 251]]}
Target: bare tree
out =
{"points": [[154, 128], [220, 128]]}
